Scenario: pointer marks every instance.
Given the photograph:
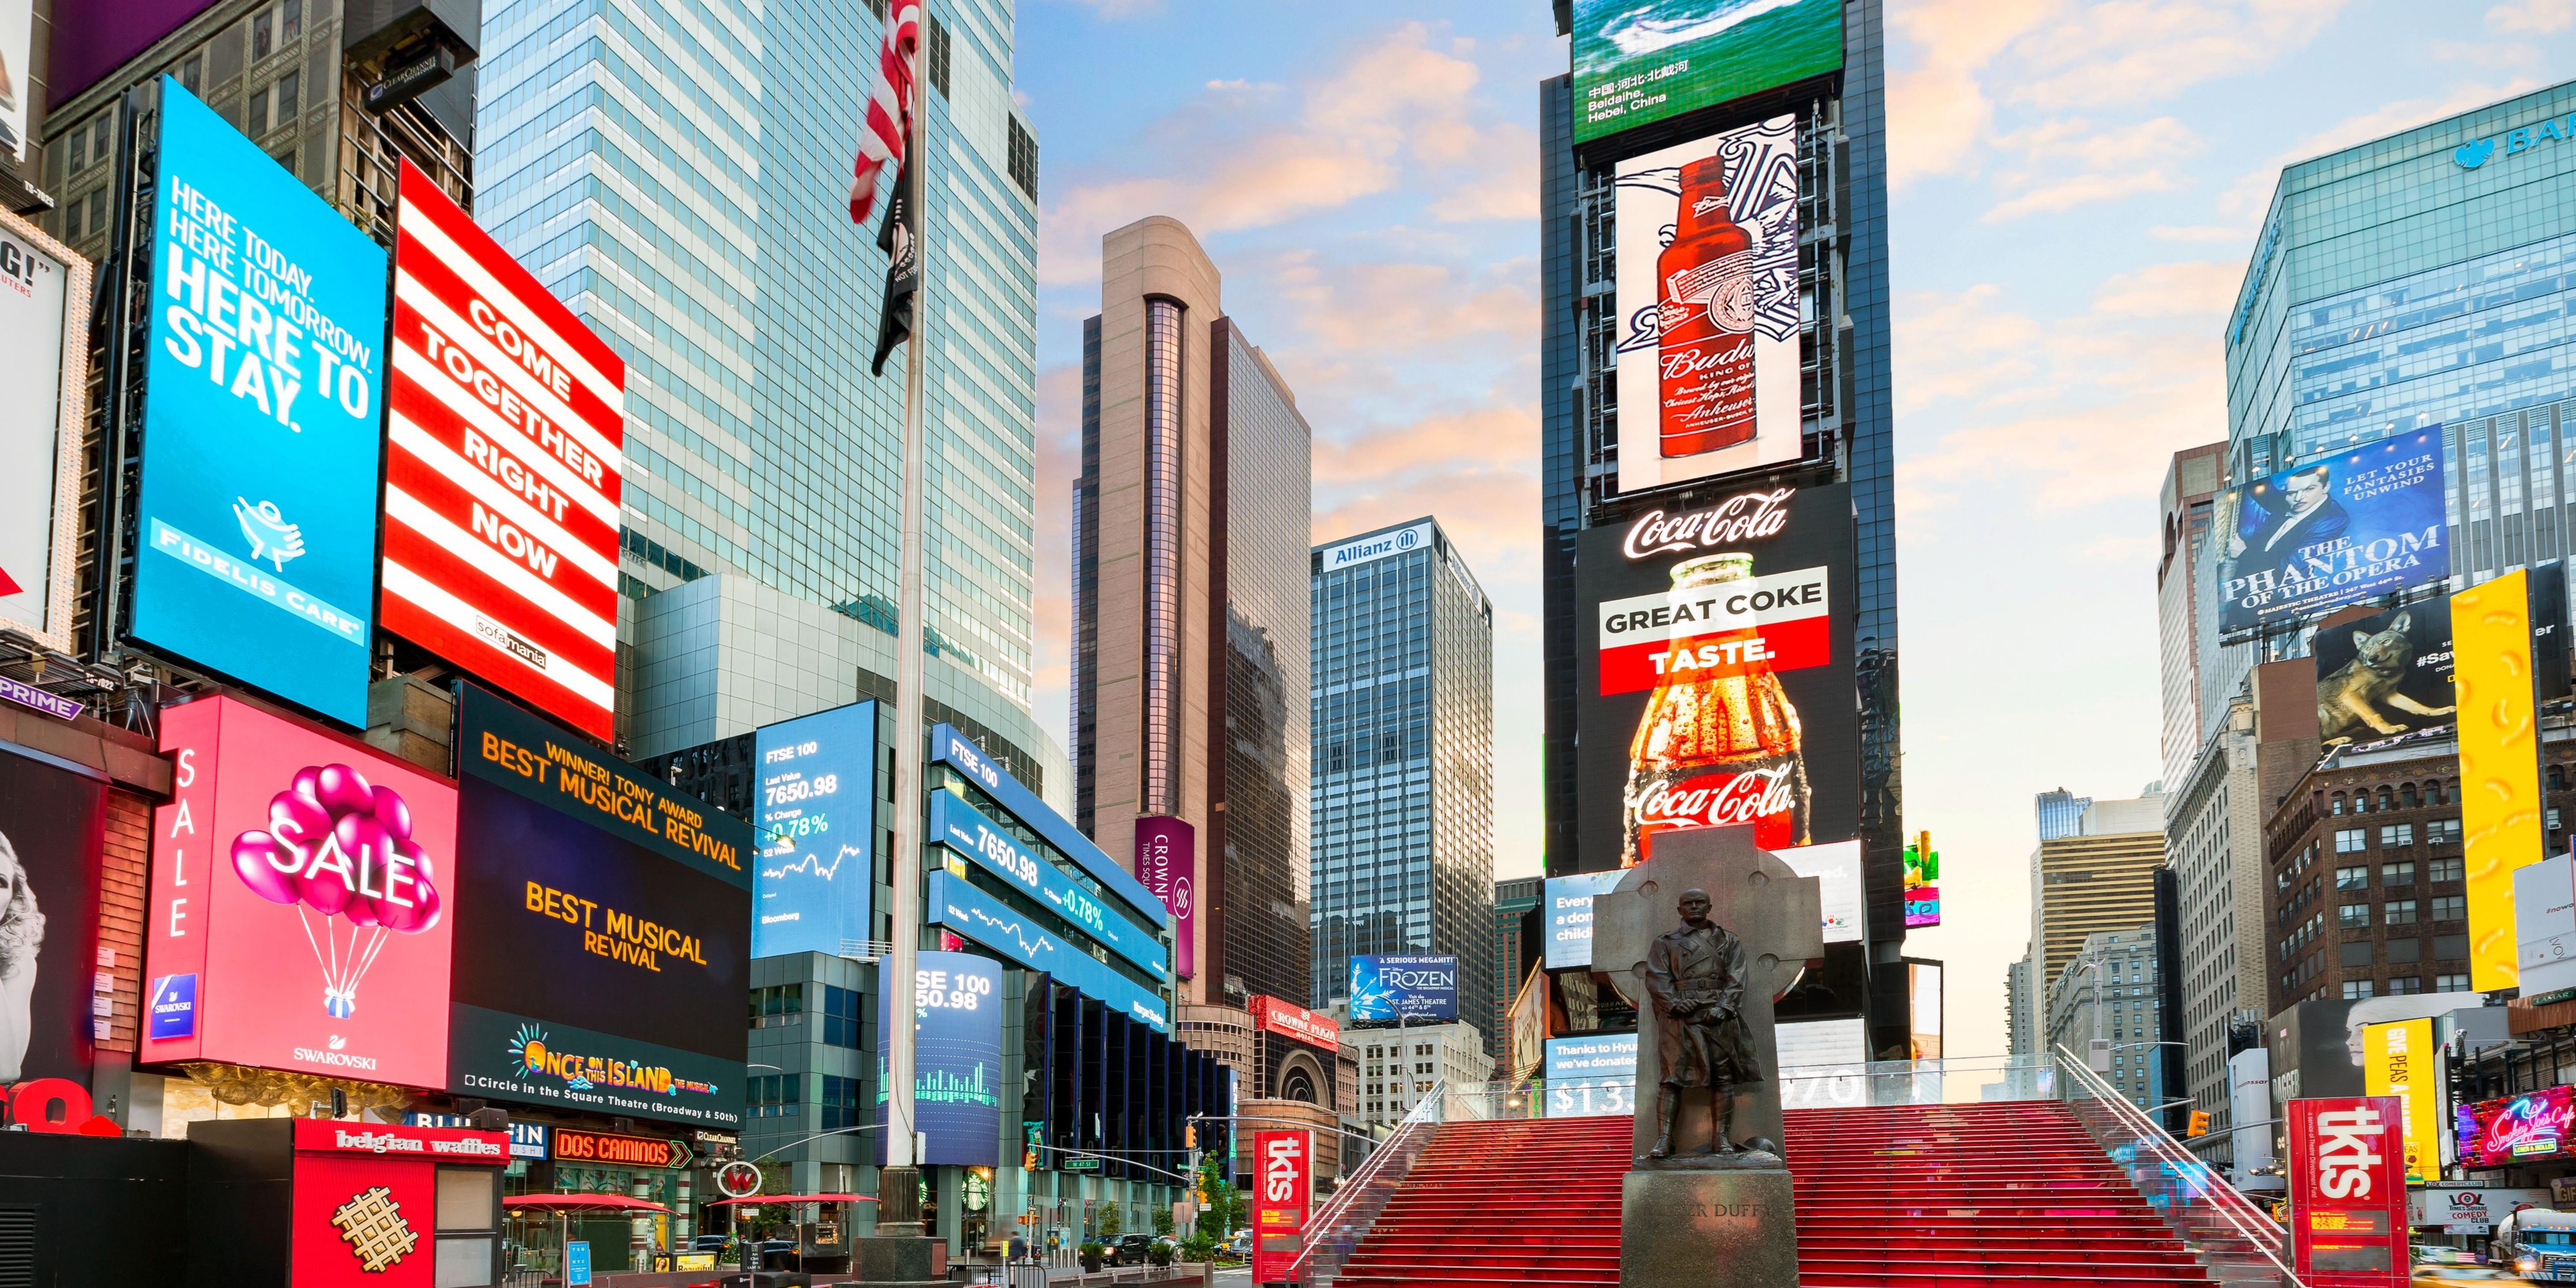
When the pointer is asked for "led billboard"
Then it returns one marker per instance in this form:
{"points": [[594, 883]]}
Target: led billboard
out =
{"points": [[1167, 854], [1287, 1019], [1413, 988], [603, 956], [53, 827], [2516, 1129], [256, 521], [2401, 1060], [303, 900], [957, 1059], [970, 839], [1713, 674], [1839, 889], [1592, 1075], [2337, 531], [815, 803], [2499, 740], [2385, 674], [1922, 887], [1641, 61], [1569, 917], [954, 904], [504, 449], [1707, 284], [44, 297]]}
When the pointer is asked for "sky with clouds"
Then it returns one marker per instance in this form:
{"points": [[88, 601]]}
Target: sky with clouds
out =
{"points": [[2075, 190]]}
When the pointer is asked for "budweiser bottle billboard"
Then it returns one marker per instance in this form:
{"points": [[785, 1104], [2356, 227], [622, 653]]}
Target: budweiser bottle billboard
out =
{"points": [[1717, 745], [1704, 320]]}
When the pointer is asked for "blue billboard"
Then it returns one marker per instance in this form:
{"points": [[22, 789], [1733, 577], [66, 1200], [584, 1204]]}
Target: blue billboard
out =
{"points": [[957, 1059], [814, 805], [2339, 530], [1592, 1075], [965, 832], [958, 906], [1411, 988], [262, 422], [959, 752], [1569, 916]]}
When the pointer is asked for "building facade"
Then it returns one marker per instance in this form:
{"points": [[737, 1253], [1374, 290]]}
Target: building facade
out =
{"points": [[2101, 879], [1191, 635], [2418, 280], [2060, 813], [2367, 896], [691, 207], [1398, 1067], [1517, 947], [2022, 1034], [2108, 991], [1402, 796], [2214, 842], [1847, 413], [2186, 502]]}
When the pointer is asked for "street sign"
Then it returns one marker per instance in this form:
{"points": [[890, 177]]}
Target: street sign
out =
{"points": [[577, 1263], [738, 1179]]}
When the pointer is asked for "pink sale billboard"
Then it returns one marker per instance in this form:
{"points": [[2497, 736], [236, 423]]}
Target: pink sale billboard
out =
{"points": [[298, 910]]}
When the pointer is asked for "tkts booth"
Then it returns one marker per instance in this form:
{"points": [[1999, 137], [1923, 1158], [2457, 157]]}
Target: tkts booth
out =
{"points": [[318, 1203]]}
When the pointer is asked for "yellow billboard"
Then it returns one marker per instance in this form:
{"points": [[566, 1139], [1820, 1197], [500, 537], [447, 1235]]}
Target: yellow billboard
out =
{"points": [[2399, 1060], [2499, 764]]}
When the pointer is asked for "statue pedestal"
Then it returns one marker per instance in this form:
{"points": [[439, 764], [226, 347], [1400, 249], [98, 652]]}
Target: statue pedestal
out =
{"points": [[1697, 1227]]}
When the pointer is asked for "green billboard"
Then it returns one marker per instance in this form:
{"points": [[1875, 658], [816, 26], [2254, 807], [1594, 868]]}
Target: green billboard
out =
{"points": [[1640, 61]]}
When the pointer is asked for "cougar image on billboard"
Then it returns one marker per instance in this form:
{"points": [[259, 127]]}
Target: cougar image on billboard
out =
{"points": [[1715, 674]]}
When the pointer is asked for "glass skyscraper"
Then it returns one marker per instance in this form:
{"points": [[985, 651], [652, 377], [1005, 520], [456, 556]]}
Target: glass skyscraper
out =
{"points": [[679, 175], [2425, 279], [1848, 415], [1403, 769]]}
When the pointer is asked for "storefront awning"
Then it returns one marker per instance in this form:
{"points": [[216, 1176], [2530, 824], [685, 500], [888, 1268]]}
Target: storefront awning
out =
{"points": [[579, 1203], [795, 1198]]}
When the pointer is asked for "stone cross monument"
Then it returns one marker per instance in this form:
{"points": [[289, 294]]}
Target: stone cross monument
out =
{"points": [[1701, 939]]}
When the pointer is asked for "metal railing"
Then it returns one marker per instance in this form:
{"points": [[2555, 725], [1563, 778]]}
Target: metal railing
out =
{"points": [[2236, 1241], [1335, 1232], [1956, 1081]]}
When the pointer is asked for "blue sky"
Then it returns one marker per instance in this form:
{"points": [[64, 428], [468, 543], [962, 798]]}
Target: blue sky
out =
{"points": [[2076, 189]]}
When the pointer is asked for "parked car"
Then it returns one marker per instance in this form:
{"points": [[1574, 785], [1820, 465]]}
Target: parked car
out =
{"points": [[1130, 1249], [1240, 1246]]}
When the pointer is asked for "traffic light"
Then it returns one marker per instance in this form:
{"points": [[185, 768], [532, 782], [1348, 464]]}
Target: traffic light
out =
{"points": [[2199, 1123], [1189, 1135]]}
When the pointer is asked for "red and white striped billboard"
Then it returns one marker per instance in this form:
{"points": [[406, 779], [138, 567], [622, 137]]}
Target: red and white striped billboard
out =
{"points": [[506, 434]]}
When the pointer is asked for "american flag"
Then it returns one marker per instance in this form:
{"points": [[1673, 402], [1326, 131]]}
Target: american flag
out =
{"points": [[889, 123]]}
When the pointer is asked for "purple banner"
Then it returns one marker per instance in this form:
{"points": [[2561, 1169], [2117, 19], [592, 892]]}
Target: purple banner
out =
{"points": [[28, 695], [1167, 862], [92, 39]]}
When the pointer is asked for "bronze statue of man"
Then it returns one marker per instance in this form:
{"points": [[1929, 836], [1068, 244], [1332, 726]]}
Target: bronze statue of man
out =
{"points": [[1695, 977]]}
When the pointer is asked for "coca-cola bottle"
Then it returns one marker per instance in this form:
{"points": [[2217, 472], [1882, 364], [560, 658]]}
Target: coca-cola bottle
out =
{"points": [[1719, 742], [1704, 321]]}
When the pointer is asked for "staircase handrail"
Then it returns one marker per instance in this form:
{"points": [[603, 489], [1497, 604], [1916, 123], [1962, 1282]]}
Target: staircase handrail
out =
{"points": [[2251, 1225], [1337, 1228]]}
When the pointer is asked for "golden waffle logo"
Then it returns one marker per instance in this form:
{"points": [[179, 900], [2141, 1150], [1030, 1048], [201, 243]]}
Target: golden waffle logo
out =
{"points": [[374, 1227]]}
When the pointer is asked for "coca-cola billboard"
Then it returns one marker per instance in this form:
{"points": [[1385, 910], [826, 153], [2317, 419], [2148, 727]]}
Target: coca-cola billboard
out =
{"points": [[1715, 674]]}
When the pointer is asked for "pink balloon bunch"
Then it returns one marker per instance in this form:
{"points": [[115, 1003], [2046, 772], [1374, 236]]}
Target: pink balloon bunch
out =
{"points": [[340, 846]]}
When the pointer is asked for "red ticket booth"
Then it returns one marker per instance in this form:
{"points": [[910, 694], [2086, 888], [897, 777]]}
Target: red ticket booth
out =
{"points": [[322, 1203]]}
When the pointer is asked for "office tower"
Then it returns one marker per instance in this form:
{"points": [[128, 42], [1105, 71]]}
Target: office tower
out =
{"points": [[1516, 946], [2186, 501], [2109, 991], [1836, 101], [2021, 1015], [1403, 768], [1398, 1068], [1190, 612], [2061, 813], [2100, 878], [693, 209], [2333, 342]]}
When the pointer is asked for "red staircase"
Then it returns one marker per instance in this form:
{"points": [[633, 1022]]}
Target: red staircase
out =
{"points": [[2005, 1195], [1527, 1202], [2013, 1194]]}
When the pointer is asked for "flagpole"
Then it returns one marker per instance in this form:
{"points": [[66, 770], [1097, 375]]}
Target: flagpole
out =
{"points": [[898, 1192]]}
